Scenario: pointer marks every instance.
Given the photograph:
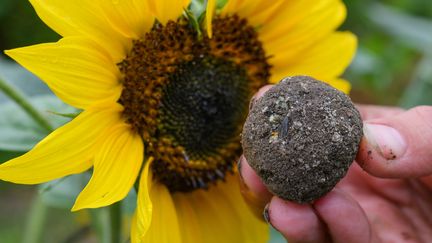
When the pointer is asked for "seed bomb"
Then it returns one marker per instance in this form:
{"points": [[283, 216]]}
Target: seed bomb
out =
{"points": [[301, 137]]}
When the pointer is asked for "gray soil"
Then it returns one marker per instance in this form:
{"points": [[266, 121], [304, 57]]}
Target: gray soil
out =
{"points": [[301, 137]]}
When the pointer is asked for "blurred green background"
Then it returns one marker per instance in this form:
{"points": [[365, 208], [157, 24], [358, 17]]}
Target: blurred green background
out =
{"points": [[393, 66]]}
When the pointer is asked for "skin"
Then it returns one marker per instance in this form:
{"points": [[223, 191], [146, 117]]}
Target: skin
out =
{"points": [[385, 197]]}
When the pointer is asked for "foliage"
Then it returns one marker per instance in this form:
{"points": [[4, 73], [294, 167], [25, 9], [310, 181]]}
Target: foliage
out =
{"points": [[394, 42]]}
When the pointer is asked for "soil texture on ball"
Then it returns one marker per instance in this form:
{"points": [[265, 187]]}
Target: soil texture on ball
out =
{"points": [[301, 137]]}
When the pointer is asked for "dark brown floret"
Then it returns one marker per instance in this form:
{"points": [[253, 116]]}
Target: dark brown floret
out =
{"points": [[188, 97], [301, 137]]}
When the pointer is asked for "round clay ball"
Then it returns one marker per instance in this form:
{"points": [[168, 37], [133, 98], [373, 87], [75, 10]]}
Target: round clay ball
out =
{"points": [[301, 137]]}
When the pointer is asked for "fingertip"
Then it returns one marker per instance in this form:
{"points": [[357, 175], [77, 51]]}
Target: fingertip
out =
{"points": [[253, 190], [258, 95], [296, 222], [337, 210], [252, 180], [262, 91], [381, 148], [398, 146], [370, 159]]}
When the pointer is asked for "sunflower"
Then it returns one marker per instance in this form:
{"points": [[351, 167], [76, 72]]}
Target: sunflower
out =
{"points": [[164, 92]]}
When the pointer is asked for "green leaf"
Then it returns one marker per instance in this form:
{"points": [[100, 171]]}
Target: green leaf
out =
{"points": [[197, 7], [67, 115], [419, 92], [18, 132], [415, 32], [63, 192], [194, 22], [6, 7], [19, 77], [7, 155]]}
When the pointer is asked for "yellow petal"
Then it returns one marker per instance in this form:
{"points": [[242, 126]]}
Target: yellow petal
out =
{"points": [[341, 85], [211, 5], [82, 17], [252, 229], [325, 60], [156, 217], [252, 7], [219, 212], [134, 229], [116, 167], [232, 6], [129, 17], [190, 224], [165, 10], [307, 23], [77, 70], [261, 17], [144, 211], [164, 227], [67, 150], [255, 11]]}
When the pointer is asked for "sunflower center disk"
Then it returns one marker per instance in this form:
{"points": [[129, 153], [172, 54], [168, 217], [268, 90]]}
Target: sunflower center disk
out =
{"points": [[188, 98]]}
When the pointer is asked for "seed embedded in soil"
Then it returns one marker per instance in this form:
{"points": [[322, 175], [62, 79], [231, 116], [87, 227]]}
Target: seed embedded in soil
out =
{"points": [[301, 137]]}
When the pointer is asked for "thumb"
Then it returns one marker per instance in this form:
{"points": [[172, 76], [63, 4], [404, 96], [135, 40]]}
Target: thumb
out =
{"points": [[398, 146]]}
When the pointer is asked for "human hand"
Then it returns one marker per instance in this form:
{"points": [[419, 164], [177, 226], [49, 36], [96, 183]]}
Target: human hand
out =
{"points": [[389, 200]]}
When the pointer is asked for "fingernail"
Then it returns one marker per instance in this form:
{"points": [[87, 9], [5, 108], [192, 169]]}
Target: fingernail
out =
{"points": [[387, 141], [239, 165], [243, 187], [252, 102], [266, 214]]}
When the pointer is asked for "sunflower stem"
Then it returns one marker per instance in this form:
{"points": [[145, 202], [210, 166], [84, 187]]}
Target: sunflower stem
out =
{"points": [[115, 222], [20, 100]]}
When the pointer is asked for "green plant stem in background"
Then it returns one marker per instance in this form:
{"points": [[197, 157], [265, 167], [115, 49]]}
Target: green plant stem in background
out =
{"points": [[107, 223], [36, 221], [115, 222], [20, 99]]}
